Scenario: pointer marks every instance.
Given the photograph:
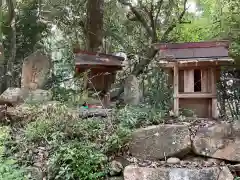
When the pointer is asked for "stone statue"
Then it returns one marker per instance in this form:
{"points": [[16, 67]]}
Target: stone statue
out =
{"points": [[35, 71]]}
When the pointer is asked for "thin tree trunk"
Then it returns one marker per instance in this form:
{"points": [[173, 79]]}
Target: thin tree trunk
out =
{"points": [[94, 27], [11, 70], [95, 10], [2, 60]]}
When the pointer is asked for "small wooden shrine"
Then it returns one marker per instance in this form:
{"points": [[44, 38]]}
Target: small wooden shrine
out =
{"points": [[101, 69], [193, 70]]}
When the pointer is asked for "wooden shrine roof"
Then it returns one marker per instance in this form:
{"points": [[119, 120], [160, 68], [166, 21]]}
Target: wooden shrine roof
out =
{"points": [[84, 58], [200, 51]]}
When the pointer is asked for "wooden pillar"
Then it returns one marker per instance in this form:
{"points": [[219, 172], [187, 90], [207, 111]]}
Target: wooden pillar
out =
{"points": [[204, 79], [175, 89], [168, 72], [189, 80], [214, 92]]}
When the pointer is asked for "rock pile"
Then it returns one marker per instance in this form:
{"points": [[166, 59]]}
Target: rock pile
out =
{"points": [[35, 72], [184, 152]]}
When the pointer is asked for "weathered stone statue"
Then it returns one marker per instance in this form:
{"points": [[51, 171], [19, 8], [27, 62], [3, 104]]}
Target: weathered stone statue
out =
{"points": [[35, 71], [132, 94]]}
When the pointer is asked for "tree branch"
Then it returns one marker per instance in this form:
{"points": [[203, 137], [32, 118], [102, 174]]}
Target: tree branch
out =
{"points": [[152, 22], [159, 9], [179, 20], [139, 17]]}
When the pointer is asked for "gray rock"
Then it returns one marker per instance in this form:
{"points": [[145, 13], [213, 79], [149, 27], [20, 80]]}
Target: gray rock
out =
{"points": [[173, 160], [115, 178], [214, 173], [221, 141], [34, 173], [14, 96], [132, 93], [39, 95], [158, 142], [115, 168]]}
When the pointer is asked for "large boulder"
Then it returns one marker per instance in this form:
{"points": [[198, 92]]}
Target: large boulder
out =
{"points": [[143, 173], [132, 93], [158, 142], [39, 95], [220, 141], [13, 96], [17, 96]]}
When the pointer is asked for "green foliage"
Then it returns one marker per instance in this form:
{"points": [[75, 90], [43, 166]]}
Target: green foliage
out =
{"points": [[30, 30], [4, 136], [51, 120], [135, 117], [78, 146], [9, 170], [156, 91], [76, 160], [117, 140]]}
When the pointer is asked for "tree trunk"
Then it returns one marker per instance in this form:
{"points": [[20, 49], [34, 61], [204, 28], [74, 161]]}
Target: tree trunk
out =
{"points": [[95, 10], [94, 29], [2, 67], [11, 70]]}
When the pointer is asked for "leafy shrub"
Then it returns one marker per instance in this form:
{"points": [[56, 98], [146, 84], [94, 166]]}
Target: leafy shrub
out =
{"points": [[39, 129], [118, 139], [135, 117], [77, 146], [78, 161], [131, 117], [9, 170], [4, 136], [50, 120]]}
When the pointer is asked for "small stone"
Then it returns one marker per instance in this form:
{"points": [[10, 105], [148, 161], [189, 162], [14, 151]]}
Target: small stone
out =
{"points": [[115, 178], [183, 163], [173, 160], [214, 161], [222, 163], [162, 162], [34, 173], [208, 164], [115, 168]]}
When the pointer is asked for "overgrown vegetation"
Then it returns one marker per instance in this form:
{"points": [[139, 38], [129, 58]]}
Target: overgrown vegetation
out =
{"points": [[73, 147], [63, 146], [9, 169]]}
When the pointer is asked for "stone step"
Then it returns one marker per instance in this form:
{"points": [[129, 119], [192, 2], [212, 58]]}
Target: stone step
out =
{"points": [[132, 172]]}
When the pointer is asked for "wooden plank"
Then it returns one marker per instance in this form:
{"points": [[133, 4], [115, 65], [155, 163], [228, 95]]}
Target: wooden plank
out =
{"points": [[181, 81], [218, 74], [175, 90], [214, 108], [210, 108], [169, 73], [204, 79], [196, 64], [196, 95], [209, 81], [189, 80], [213, 80], [214, 91], [187, 45]]}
